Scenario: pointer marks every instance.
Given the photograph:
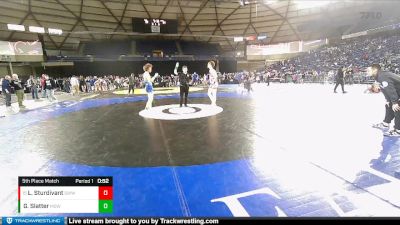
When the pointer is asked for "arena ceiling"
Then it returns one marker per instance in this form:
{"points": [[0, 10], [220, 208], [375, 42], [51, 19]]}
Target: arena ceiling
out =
{"points": [[216, 21]]}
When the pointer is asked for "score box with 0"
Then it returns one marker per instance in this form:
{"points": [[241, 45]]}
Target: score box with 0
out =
{"points": [[105, 199], [65, 195]]}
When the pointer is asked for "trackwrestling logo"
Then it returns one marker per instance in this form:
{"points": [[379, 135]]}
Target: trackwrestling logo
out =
{"points": [[33, 220]]}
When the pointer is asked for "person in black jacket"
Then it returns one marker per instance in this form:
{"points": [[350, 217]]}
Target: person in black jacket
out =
{"points": [[184, 79], [390, 87], [339, 80], [6, 86], [49, 86], [131, 81]]}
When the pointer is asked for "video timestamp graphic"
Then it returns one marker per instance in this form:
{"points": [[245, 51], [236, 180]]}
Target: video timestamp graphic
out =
{"points": [[371, 15]]}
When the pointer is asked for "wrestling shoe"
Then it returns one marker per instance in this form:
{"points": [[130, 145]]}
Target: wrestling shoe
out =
{"points": [[381, 126], [392, 133]]}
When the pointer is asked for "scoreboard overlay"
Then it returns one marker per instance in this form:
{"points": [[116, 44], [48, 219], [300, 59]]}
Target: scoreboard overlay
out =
{"points": [[65, 195]]}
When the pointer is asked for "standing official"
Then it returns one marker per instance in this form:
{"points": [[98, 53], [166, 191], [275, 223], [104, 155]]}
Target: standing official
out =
{"points": [[131, 84], [340, 79], [184, 79]]}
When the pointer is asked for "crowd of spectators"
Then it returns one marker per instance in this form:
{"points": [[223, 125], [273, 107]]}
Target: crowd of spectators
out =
{"points": [[355, 55], [319, 65], [95, 84]]}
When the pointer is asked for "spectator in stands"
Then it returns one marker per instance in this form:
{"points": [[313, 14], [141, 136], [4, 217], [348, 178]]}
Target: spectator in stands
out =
{"points": [[137, 82], [18, 86], [42, 83], [33, 85], [105, 84], [349, 75], [82, 84], [6, 91], [118, 82], [60, 83], [267, 76], [49, 87], [258, 79], [92, 81], [247, 84], [87, 81], [131, 84], [195, 79], [67, 85], [75, 85], [98, 85], [360, 52]]}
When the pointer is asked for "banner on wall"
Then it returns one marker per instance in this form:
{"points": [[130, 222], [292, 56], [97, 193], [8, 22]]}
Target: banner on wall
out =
{"points": [[6, 48], [21, 48], [353, 35], [275, 49], [284, 48]]}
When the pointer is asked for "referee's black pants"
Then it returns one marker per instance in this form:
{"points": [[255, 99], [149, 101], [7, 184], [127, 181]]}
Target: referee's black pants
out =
{"points": [[341, 82], [131, 87], [184, 91], [390, 115]]}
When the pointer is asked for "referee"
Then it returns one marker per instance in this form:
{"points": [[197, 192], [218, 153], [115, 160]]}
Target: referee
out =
{"points": [[184, 79], [390, 87], [131, 81], [340, 80]]}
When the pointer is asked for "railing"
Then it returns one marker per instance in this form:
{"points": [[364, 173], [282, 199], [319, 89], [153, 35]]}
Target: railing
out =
{"points": [[90, 58], [359, 78]]}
